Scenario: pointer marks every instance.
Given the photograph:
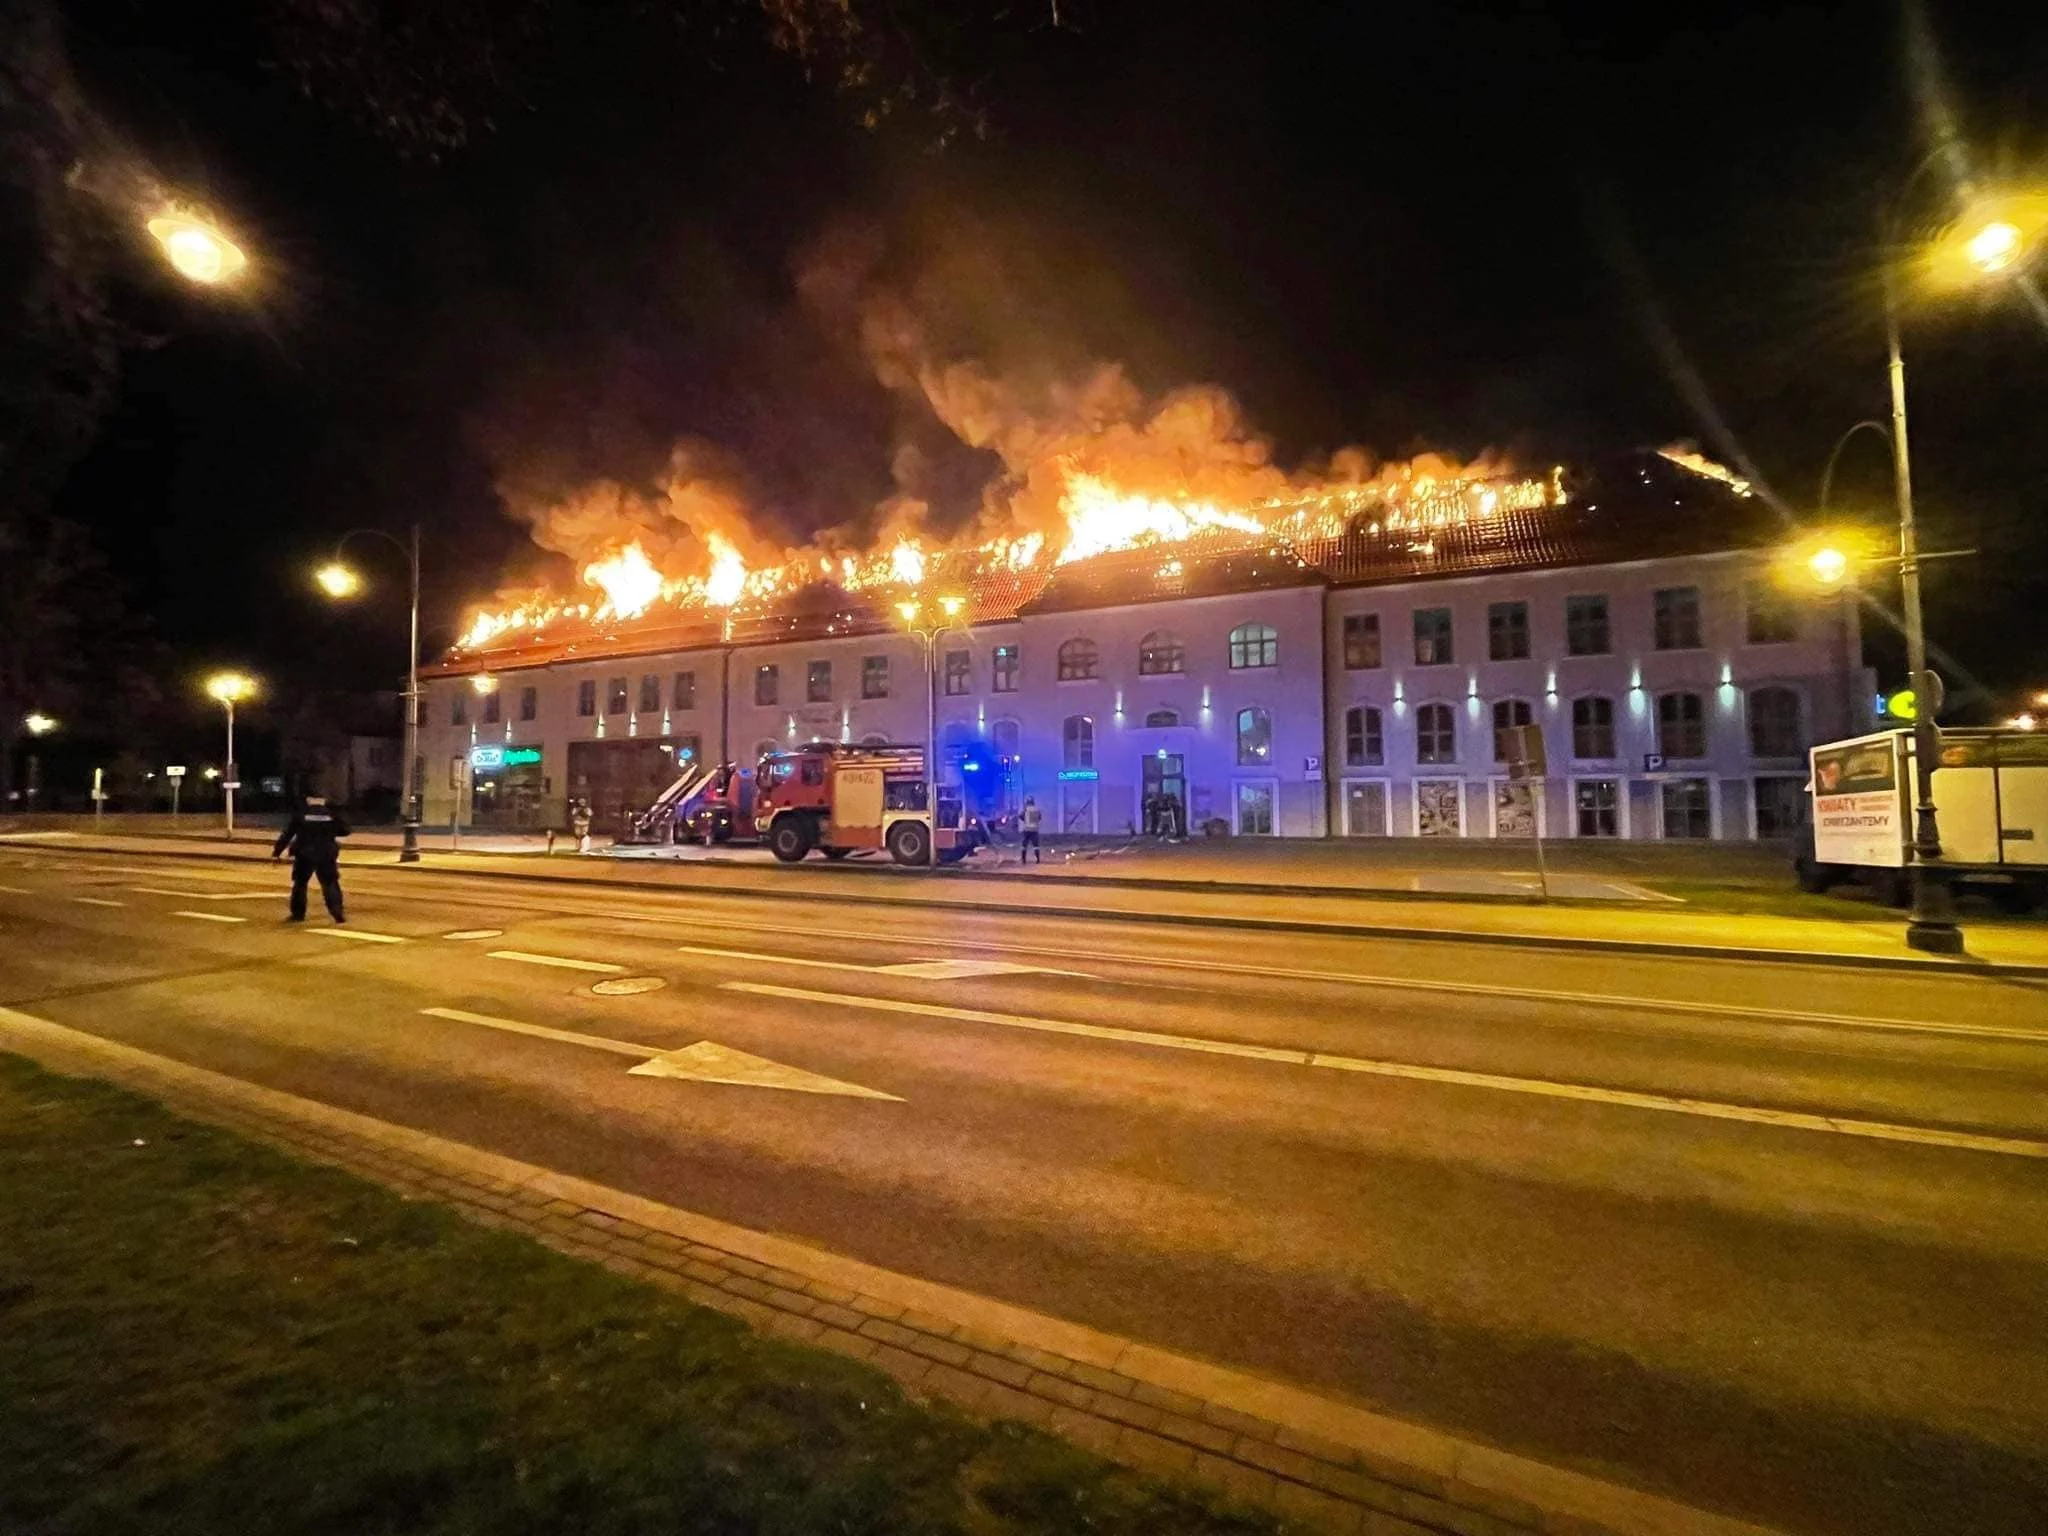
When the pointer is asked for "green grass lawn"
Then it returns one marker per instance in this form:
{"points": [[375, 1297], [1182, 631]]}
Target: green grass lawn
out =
{"points": [[200, 1334]]}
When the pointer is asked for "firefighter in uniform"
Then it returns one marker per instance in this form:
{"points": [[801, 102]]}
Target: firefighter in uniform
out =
{"points": [[313, 836]]}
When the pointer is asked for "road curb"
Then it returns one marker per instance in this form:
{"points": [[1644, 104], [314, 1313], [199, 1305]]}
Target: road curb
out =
{"points": [[1665, 948], [1320, 1461]]}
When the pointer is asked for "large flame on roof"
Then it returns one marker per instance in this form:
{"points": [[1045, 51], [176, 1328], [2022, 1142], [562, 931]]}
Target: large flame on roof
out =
{"points": [[1101, 518]]}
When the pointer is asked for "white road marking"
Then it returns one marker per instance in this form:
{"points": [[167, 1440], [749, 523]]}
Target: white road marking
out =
{"points": [[475, 933], [16, 890], [1458, 988], [359, 935], [709, 1062], [923, 970], [756, 955], [1876, 1130], [164, 890], [212, 917], [97, 901], [705, 1061], [561, 961]]}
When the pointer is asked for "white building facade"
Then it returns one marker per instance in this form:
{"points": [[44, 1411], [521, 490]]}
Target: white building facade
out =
{"points": [[1676, 697]]}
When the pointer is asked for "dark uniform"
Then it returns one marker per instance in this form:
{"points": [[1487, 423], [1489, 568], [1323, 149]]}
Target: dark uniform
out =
{"points": [[313, 836]]}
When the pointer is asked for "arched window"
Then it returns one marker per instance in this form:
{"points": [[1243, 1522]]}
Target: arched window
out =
{"points": [[1364, 745], [1593, 727], [1254, 737], [1436, 734], [1254, 645], [1774, 729], [1160, 719], [1507, 714], [1004, 736], [1681, 725], [1161, 652], [1079, 660], [1077, 739]]}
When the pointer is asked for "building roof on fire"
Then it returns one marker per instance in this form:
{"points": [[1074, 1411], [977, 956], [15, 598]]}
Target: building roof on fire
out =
{"points": [[1635, 507]]}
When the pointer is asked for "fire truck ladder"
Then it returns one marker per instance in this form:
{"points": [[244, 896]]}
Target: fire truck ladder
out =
{"points": [[656, 824]]}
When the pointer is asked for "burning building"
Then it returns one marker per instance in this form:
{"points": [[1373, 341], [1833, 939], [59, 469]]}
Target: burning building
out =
{"points": [[1332, 662]]}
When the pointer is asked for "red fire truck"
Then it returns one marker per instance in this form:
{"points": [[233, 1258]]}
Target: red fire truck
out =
{"points": [[845, 799]]}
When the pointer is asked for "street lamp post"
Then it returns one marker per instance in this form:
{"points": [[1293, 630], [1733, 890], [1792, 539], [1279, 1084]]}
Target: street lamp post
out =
{"points": [[38, 725], [949, 610], [228, 688], [339, 581]]}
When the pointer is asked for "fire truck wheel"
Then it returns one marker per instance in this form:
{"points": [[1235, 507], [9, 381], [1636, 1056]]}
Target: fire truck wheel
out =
{"points": [[792, 838], [909, 842]]}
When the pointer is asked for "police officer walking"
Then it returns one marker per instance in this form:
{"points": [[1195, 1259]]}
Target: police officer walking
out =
{"points": [[313, 835]]}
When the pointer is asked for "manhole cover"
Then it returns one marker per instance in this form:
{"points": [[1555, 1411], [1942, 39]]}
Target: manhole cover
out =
{"points": [[475, 933], [626, 986]]}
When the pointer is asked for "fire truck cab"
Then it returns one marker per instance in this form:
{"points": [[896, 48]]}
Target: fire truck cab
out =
{"points": [[845, 799]]}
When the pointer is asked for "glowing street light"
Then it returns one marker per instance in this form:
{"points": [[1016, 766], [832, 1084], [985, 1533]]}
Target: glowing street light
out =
{"points": [[1828, 566], [229, 689], [337, 580], [341, 582], [38, 724], [196, 249], [1994, 247], [2022, 722], [949, 613]]}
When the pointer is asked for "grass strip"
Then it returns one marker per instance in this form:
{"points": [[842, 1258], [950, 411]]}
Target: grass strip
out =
{"points": [[199, 1333]]}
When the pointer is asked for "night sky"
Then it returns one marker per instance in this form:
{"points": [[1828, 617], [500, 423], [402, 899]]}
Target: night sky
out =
{"points": [[1449, 227]]}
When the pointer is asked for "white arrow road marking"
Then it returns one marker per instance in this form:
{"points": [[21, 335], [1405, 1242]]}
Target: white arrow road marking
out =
{"points": [[1790, 1119], [212, 917], [561, 961], [713, 1063], [359, 935], [704, 1061]]}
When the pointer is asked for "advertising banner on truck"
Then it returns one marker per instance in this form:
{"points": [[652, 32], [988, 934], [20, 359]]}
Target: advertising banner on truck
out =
{"points": [[1859, 814]]}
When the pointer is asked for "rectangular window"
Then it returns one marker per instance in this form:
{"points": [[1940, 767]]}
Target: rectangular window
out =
{"points": [[959, 672], [529, 703], [1361, 641], [1507, 631], [818, 683], [1772, 618], [1436, 734], [492, 704], [458, 706], [586, 697], [1592, 728], [1432, 637], [1681, 725], [1585, 625], [1779, 801], [683, 692], [1003, 670], [1597, 805], [650, 693], [1439, 808], [1364, 742], [1688, 810], [874, 677], [1677, 611], [1255, 810], [767, 684], [615, 696]]}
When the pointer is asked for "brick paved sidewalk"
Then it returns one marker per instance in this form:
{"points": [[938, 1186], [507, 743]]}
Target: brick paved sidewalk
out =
{"points": [[1324, 1463]]}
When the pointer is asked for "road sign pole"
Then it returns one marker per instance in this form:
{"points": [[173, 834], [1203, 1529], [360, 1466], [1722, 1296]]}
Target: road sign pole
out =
{"points": [[1542, 873]]}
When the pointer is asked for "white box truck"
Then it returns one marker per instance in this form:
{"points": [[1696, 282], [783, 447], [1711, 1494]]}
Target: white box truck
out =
{"points": [[1990, 801]]}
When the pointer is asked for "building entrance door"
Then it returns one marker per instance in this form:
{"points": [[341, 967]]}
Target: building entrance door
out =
{"points": [[1166, 780]]}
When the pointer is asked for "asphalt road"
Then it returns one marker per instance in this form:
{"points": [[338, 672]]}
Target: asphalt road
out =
{"points": [[1771, 1239]]}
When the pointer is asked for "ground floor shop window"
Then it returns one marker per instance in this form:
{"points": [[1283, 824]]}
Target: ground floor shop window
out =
{"points": [[1688, 808], [1077, 806], [1365, 808], [1779, 800], [1439, 808], [1514, 809], [1596, 804], [1255, 817]]}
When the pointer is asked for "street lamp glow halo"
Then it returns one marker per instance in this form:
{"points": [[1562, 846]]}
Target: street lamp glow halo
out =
{"points": [[39, 724], [1994, 237], [484, 683], [197, 250], [230, 687], [338, 580], [1828, 565]]}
